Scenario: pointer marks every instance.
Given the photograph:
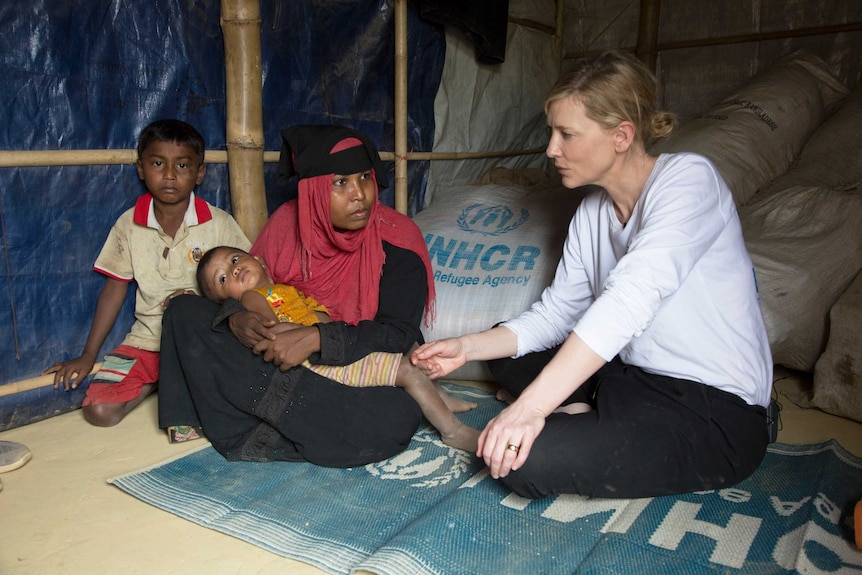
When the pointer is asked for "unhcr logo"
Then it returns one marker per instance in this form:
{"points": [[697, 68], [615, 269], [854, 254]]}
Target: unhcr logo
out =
{"points": [[490, 220]]}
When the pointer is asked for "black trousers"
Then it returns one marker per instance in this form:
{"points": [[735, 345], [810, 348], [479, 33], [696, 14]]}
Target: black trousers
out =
{"points": [[647, 435], [251, 411]]}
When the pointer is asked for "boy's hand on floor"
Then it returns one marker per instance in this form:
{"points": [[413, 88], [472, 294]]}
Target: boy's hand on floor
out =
{"points": [[70, 373]]}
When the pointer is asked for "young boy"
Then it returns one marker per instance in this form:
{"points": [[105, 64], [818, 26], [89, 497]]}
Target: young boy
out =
{"points": [[227, 272], [157, 244]]}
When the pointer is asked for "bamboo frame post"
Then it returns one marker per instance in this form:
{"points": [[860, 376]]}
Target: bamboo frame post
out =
{"points": [[647, 43], [559, 31], [401, 106], [240, 23]]}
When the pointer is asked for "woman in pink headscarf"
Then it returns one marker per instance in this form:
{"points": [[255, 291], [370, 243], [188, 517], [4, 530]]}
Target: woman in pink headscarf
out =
{"points": [[238, 376]]}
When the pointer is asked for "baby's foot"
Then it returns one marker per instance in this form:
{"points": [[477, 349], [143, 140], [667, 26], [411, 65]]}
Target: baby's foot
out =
{"points": [[454, 404], [464, 437]]}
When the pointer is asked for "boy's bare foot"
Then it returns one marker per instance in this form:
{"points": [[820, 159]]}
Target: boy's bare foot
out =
{"points": [[574, 408], [463, 437], [454, 404]]}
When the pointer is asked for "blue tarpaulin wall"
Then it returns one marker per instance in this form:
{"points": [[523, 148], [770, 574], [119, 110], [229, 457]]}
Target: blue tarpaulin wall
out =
{"points": [[91, 75]]}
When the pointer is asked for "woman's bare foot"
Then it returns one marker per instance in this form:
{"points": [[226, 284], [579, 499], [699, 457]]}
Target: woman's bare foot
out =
{"points": [[574, 408], [463, 437], [454, 404]]}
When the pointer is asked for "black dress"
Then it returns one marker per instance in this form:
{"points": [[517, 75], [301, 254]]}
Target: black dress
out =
{"points": [[252, 411]]}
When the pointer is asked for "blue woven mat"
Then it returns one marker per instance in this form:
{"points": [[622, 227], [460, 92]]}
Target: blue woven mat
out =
{"points": [[435, 510]]}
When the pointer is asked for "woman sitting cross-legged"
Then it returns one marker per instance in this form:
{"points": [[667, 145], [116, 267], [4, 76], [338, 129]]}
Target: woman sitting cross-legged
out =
{"points": [[645, 368]]}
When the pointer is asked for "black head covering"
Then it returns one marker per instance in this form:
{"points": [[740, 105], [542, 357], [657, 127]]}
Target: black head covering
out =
{"points": [[305, 153]]}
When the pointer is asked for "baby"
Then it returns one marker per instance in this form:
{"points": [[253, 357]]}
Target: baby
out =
{"points": [[226, 272]]}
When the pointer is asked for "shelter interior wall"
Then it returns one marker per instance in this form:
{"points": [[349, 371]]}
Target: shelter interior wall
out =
{"points": [[473, 110], [694, 78]]}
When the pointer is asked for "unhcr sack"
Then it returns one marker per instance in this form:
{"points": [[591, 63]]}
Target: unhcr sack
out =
{"points": [[493, 250]]}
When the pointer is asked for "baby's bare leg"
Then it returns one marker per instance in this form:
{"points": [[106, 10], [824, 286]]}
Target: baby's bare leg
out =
{"points": [[432, 401], [407, 372]]}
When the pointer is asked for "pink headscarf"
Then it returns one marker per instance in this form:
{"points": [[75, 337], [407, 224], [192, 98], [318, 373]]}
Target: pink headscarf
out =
{"points": [[340, 269]]}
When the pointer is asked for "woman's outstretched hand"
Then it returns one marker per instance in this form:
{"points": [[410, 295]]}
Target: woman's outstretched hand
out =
{"points": [[439, 358], [250, 328], [506, 441]]}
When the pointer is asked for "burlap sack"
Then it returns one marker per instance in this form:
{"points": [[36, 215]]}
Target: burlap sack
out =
{"points": [[806, 246], [803, 232], [832, 156], [838, 372], [754, 134], [494, 249]]}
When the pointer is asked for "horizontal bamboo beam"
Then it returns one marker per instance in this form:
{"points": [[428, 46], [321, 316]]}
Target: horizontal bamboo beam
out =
{"points": [[35, 382], [35, 158], [761, 36], [544, 28], [388, 156], [44, 158], [739, 39], [40, 158]]}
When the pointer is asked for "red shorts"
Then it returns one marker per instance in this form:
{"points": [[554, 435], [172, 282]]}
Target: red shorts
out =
{"points": [[125, 371]]}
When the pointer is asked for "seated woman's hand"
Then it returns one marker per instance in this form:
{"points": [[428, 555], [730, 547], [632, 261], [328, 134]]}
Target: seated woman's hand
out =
{"points": [[291, 346], [506, 441], [250, 328], [438, 358]]}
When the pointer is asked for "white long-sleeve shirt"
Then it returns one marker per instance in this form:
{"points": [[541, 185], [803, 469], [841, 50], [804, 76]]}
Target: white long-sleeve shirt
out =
{"points": [[672, 291]]}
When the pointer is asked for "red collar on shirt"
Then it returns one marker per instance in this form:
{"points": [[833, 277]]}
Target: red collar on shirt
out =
{"points": [[197, 213]]}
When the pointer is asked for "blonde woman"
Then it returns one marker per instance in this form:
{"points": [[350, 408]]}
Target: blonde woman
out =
{"points": [[644, 369]]}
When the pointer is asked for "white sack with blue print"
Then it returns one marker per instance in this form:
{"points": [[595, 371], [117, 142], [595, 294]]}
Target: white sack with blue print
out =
{"points": [[493, 248]]}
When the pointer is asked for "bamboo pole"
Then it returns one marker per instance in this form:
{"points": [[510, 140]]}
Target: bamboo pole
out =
{"points": [[531, 24], [648, 33], [389, 156], [35, 382], [35, 158], [401, 106], [740, 39], [48, 158], [240, 23], [763, 36], [559, 30]]}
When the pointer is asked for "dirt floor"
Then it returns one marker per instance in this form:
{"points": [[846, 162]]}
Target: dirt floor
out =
{"points": [[58, 514]]}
